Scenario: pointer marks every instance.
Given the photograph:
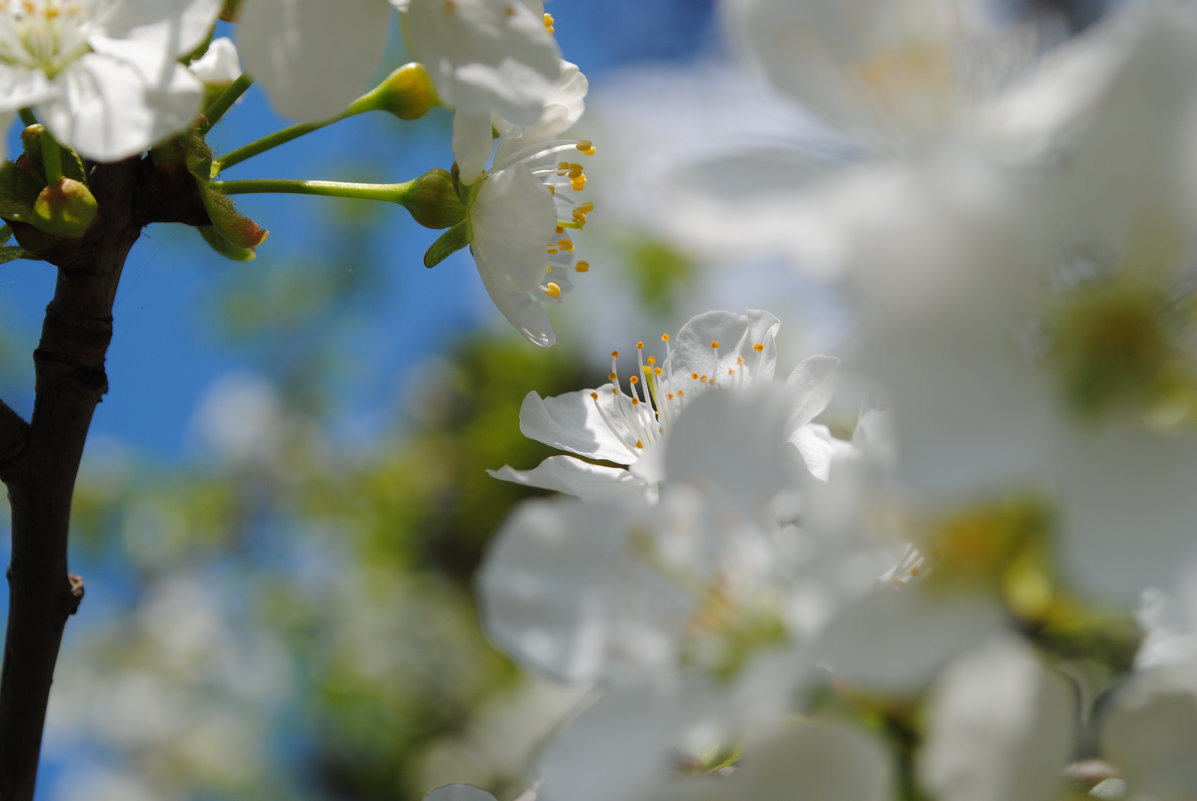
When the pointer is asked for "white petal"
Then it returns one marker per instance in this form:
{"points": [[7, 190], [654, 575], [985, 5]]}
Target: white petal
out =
{"points": [[561, 111], [472, 143], [733, 444], [573, 422], [1001, 726], [109, 110], [813, 387], [219, 65], [918, 631], [511, 222], [483, 59], [523, 310], [573, 477], [1129, 511], [1151, 732], [173, 27], [820, 760], [21, 87], [564, 591], [313, 58], [736, 334], [458, 792]]}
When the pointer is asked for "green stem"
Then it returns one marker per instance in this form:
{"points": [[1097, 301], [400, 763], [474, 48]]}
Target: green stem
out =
{"points": [[393, 193], [27, 116], [51, 159], [368, 102], [224, 101]]}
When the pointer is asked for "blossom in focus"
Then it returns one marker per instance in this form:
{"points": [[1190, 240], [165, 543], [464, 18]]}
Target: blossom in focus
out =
{"points": [[103, 76], [628, 427], [519, 215]]}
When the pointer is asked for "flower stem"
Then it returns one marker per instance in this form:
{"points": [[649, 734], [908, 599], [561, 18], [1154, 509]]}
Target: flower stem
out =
{"points": [[51, 159], [367, 102], [393, 193], [27, 116], [224, 101]]}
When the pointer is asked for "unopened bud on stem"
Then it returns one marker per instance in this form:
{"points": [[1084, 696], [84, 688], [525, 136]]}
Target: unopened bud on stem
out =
{"points": [[65, 209]]}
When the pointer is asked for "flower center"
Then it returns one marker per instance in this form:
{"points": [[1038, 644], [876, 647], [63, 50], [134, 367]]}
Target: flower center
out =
{"points": [[656, 395], [44, 35]]}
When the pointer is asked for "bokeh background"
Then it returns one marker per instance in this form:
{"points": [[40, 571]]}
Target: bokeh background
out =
{"points": [[283, 500]]}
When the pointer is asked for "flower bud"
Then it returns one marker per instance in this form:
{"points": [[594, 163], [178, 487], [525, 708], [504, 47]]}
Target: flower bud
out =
{"points": [[65, 209], [407, 92], [432, 200]]}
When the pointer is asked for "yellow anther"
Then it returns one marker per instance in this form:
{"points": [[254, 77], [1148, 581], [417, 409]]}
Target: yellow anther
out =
{"points": [[552, 189], [548, 23], [703, 379], [548, 268], [681, 393], [633, 379], [575, 170], [614, 354], [635, 401], [559, 230], [739, 360], [563, 165], [694, 376], [639, 444], [612, 376], [565, 245], [586, 146], [552, 290], [594, 395], [552, 251], [664, 337], [650, 361], [640, 345], [714, 344], [758, 347], [582, 266], [657, 371], [670, 396], [731, 371], [578, 184]]}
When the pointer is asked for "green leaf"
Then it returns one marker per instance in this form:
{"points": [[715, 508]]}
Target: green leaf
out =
{"points": [[18, 192], [451, 241], [223, 246], [240, 234]]}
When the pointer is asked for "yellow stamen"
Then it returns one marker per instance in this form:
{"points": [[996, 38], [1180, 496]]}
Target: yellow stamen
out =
{"points": [[548, 24], [552, 290], [582, 266]]}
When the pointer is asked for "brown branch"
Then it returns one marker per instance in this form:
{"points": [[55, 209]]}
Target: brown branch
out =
{"points": [[14, 433], [69, 363]]}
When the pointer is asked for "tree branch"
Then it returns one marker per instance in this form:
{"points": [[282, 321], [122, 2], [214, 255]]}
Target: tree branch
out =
{"points": [[69, 363], [14, 433]]}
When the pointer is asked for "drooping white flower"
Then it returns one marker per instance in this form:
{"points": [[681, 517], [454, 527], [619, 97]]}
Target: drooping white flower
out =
{"points": [[519, 215], [609, 424], [219, 65], [102, 74]]}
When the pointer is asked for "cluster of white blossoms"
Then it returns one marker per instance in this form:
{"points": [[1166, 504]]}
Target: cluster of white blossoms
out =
{"points": [[978, 585], [111, 79]]}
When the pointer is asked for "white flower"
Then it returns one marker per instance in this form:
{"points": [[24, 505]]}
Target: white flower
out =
{"points": [[518, 216], [1000, 726], [219, 65], [713, 349], [313, 59], [102, 74], [488, 59]]}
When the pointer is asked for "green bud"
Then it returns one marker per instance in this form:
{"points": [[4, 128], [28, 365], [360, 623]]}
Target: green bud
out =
{"points": [[31, 142], [407, 92], [432, 200], [65, 209]]}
